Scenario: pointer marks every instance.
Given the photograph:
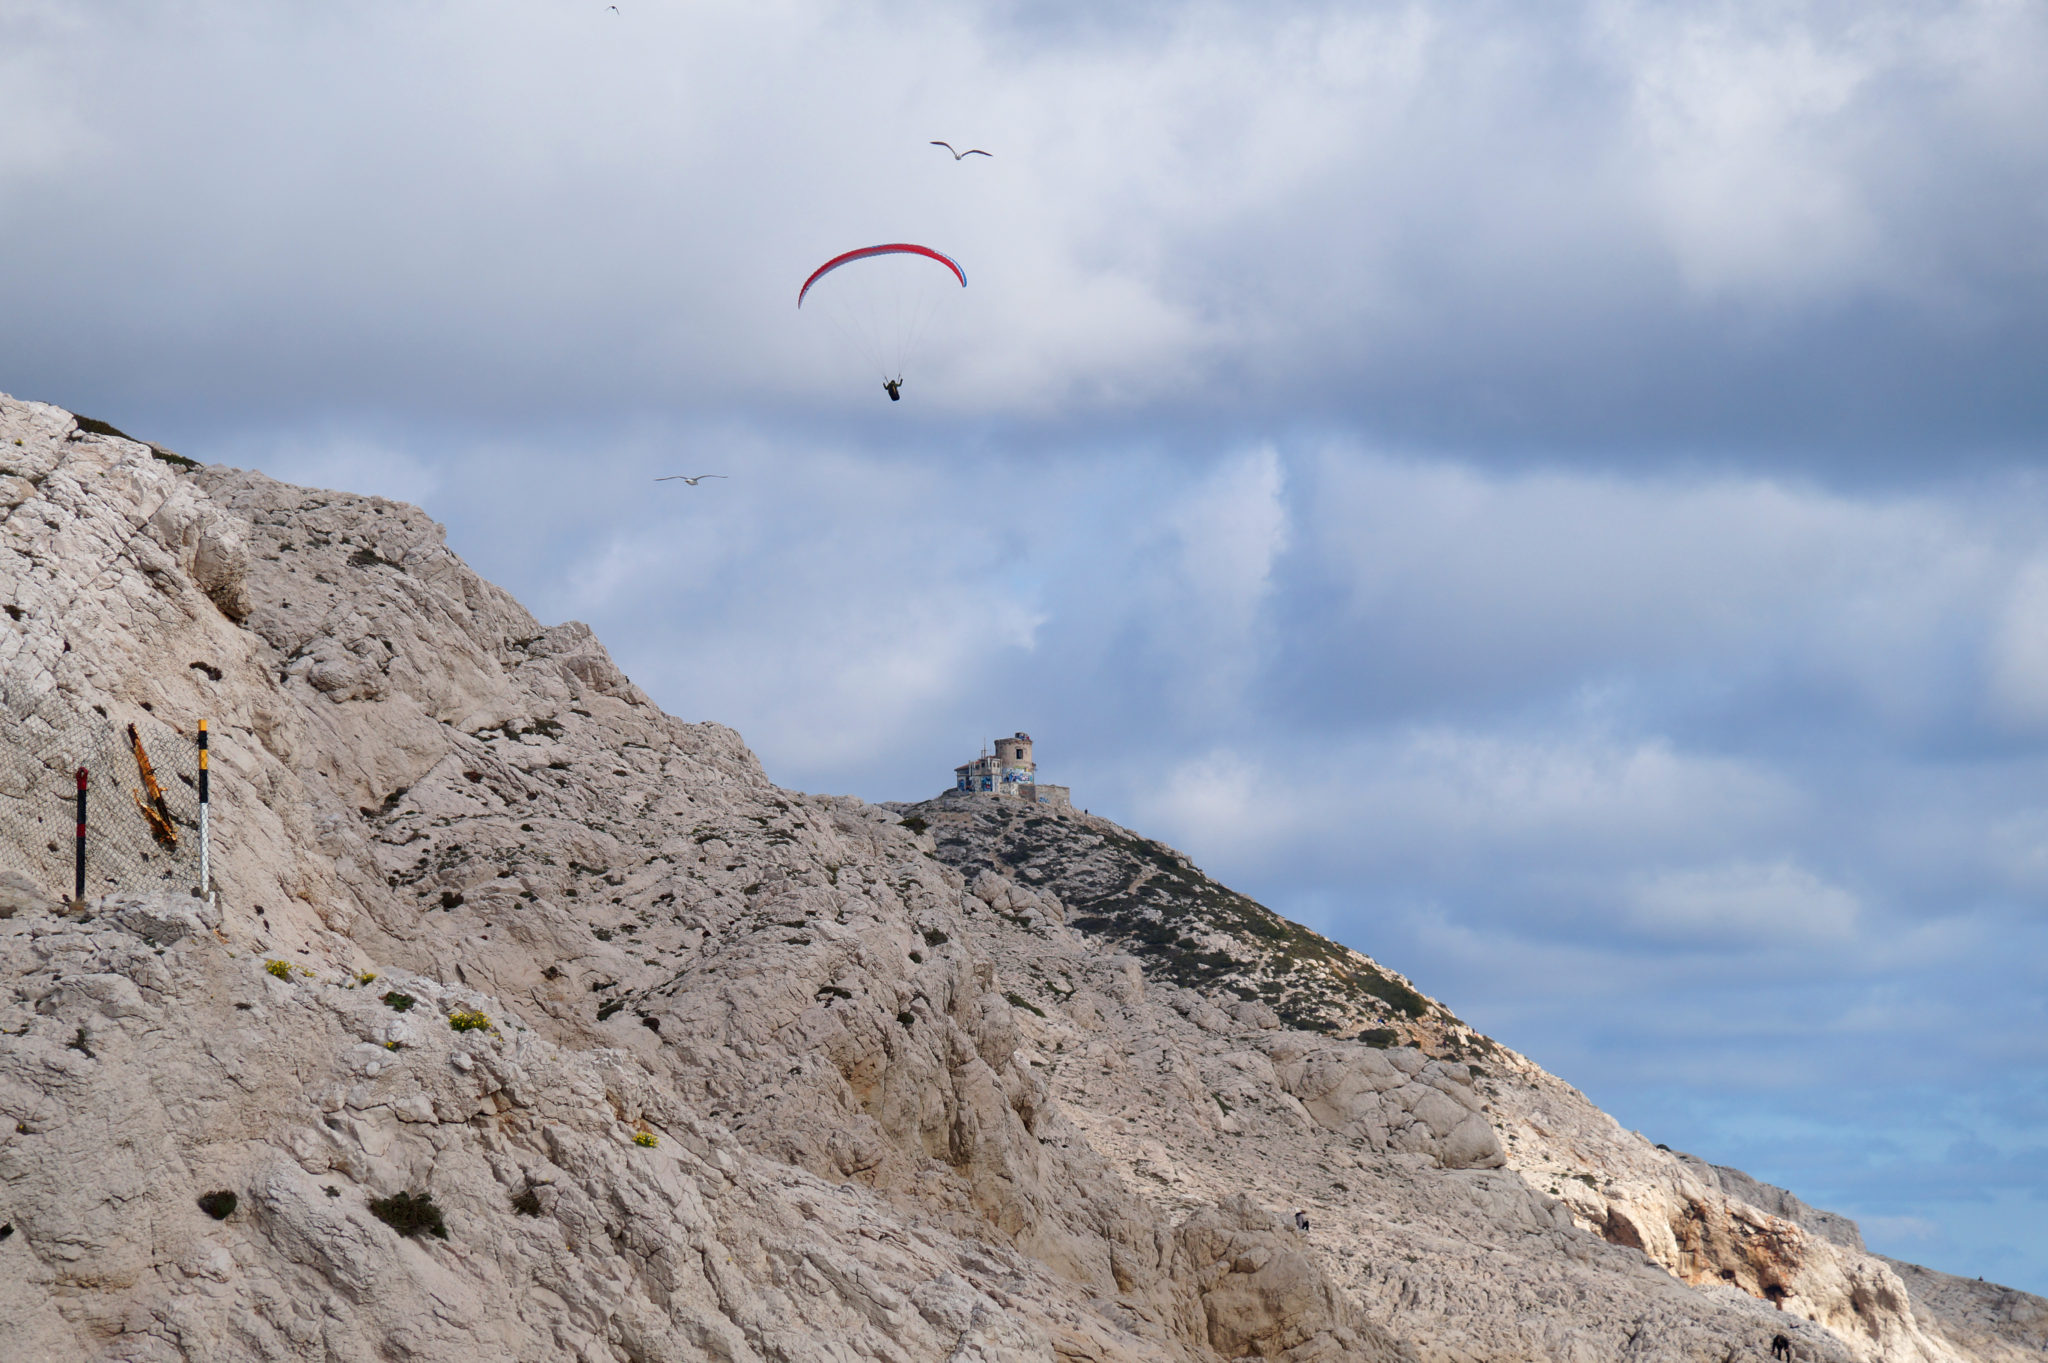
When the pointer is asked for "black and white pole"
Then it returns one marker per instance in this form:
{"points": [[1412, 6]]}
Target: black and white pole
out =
{"points": [[205, 884], [78, 874]]}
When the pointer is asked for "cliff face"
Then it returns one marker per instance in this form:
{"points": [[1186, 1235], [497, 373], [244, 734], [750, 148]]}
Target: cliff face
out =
{"points": [[696, 1067], [1344, 1032]]}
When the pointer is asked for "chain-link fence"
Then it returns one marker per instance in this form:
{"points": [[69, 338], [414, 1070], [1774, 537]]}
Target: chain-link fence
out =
{"points": [[142, 798]]}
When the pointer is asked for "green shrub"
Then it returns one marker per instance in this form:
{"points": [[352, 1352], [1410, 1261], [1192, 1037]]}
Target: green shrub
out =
{"points": [[281, 969], [1019, 1001], [646, 1139], [94, 427], [914, 824], [468, 1020], [410, 1214], [1392, 991], [218, 1205], [399, 1002]]}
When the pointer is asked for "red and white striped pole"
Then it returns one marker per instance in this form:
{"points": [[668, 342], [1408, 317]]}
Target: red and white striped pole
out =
{"points": [[78, 876]]}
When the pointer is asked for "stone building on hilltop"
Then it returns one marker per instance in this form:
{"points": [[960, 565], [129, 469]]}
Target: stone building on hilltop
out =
{"points": [[1009, 771]]}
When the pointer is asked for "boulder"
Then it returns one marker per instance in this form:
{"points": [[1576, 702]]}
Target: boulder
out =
{"points": [[19, 894]]}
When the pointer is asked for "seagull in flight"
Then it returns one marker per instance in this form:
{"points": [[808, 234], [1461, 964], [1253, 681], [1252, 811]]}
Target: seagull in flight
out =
{"points": [[685, 478], [971, 151]]}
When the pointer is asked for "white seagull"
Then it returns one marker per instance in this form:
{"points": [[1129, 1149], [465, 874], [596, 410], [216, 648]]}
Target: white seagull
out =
{"points": [[685, 478], [971, 151]]}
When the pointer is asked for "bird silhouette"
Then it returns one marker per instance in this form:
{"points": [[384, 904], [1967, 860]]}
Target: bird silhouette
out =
{"points": [[971, 151], [685, 478]]}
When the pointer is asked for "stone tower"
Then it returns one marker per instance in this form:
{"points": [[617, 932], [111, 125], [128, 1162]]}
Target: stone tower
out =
{"points": [[1014, 754], [1009, 770]]}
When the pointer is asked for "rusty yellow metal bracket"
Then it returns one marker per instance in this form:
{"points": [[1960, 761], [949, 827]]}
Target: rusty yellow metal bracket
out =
{"points": [[156, 812]]}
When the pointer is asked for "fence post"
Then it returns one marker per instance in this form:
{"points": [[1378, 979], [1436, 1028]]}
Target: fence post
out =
{"points": [[205, 881], [78, 877]]}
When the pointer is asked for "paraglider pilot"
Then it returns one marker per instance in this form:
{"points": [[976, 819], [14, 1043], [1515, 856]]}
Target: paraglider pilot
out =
{"points": [[893, 387]]}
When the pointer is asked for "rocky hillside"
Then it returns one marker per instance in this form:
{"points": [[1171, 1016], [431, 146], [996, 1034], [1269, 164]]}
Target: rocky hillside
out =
{"points": [[529, 1022], [1219, 958]]}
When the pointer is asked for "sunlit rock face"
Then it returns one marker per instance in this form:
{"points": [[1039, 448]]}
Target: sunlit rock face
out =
{"points": [[687, 1066]]}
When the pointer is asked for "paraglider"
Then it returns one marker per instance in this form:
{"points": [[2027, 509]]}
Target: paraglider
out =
{"points": [[897, 248], [883, 303]]}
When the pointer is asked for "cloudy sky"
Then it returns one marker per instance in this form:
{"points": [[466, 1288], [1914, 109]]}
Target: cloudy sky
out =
{"points": [[1553, 496]]}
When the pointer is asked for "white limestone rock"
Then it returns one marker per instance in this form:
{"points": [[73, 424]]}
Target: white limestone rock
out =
{"points": [[19, 894], [893, 1112]]}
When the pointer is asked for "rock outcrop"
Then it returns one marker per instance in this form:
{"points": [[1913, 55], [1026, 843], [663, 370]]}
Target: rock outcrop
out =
{"points": [[1978, 1319], [689, 1066], [1778, 1202]]}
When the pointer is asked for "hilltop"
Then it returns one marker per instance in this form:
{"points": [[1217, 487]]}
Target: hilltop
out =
{"points": [[1190, 931], [692, 1066]]}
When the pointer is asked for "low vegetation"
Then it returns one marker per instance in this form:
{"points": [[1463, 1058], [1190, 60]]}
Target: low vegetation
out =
{"points": [[1188, 929], [411, 1215]]}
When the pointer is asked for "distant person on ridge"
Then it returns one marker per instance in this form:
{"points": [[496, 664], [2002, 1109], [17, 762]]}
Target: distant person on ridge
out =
{"points": [[1301, 1220], [1781, 1347], [893, 388]]}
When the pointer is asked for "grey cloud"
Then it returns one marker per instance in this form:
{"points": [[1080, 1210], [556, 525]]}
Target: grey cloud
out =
{"points": [[1588, 234]]}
